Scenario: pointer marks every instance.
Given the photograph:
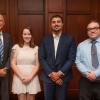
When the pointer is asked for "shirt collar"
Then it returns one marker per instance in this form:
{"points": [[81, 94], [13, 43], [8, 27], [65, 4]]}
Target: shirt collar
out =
{"points": [[57, 36], [1, 33], [98, 40]]}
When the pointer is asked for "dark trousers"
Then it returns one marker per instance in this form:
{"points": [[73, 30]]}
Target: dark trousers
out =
{"points": [[55, 92], [89, 90], [4, 88]]}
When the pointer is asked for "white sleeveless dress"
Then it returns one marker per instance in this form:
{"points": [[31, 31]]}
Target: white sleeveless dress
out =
{"points": [[26, 58]]}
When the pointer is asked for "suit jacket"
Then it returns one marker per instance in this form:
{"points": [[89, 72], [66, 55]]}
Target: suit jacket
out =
{"points": [[65, 56], [7, 41]]}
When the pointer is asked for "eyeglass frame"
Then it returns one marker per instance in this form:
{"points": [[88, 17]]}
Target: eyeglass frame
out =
{"points": [[94, 28]]}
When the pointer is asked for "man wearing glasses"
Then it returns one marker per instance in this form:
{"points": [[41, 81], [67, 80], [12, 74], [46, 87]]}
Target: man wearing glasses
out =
{"points": [[88, 63]]}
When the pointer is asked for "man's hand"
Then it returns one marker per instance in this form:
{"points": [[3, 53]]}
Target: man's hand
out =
{"points": [[3, 72], [60, 74], [54, 76], [59, 82], [91, 75]]}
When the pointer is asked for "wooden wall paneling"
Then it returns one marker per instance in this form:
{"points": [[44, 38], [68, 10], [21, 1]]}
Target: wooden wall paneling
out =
{"points": [[98, 10], [99, 17], [45, 16], [13, 20], [7, 16], [76, 26], [30, 6], [77, 14], [74, 83], [55, 5], [78, 5], [94, 9], [3, 6]]}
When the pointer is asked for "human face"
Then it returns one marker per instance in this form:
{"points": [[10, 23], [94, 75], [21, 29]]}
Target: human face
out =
{"points": [[2, 22], [93, 30], [56, 24], [26, 36]]}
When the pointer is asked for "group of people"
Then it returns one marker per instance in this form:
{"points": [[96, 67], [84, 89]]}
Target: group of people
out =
{"points": [[54, 57]]}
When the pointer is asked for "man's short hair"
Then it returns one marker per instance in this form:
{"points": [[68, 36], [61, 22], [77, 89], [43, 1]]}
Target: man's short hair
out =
{"points": [[94, 21], [56, 16]]}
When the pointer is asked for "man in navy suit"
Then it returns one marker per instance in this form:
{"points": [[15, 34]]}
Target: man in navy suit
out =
{"points": [[57, 54], [5, 41]]}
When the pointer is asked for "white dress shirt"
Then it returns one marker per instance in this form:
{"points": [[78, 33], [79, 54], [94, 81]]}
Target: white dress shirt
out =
{"points": [[56, 41], [1, 37]]}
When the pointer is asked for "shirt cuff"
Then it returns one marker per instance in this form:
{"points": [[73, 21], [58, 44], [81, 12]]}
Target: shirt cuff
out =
{"points": [[50, 74], [61, 73]]}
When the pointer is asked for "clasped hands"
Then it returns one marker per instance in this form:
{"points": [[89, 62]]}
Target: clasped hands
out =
{"points": [[56, 77], [91, 75], [26, 78]]}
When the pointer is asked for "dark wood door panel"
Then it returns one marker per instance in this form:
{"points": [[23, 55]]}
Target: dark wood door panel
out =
{"points": [[55, 5], [76, 26], [79, 5], [30, 5]]}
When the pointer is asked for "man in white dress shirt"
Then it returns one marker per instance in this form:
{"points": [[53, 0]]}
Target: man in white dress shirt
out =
{"points": [[57, 54]]}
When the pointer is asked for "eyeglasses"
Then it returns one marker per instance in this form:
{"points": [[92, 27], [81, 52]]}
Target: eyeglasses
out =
{"points": [[94, 28]]}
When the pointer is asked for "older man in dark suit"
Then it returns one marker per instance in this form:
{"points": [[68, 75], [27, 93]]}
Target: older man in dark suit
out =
{"points": [[5, 47], [57, 54]]}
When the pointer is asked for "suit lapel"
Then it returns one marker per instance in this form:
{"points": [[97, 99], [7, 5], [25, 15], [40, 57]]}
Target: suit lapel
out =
{"points": [[59, 48], [51, 45], [5, 43], [60, 44]]}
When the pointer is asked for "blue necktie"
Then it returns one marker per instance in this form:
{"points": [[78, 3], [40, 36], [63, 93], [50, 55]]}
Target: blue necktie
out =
{"points": [[94, 56], [1, 50]]}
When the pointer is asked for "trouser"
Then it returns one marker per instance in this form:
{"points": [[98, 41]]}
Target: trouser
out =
{"points": [[4, 88], [55, 92], [89, 90]]}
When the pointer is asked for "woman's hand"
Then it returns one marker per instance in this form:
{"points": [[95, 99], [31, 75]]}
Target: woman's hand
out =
{"points": [[26, 79]]}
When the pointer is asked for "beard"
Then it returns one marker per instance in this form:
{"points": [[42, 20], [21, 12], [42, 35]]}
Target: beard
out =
{"points": [[56, 30]]}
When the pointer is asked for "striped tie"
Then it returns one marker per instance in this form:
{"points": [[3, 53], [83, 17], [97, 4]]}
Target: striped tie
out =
{"points": [[1, 50]]}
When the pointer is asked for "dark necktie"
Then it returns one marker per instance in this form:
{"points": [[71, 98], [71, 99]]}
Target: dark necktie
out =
{"points": [[94, 57], [1, 49]]}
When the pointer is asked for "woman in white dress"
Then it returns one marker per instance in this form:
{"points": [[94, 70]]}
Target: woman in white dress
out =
{"points": [[25, 65]]}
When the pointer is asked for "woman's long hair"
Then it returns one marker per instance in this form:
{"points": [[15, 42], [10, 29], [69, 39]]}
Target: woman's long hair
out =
{"points": [[21, 41]]}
